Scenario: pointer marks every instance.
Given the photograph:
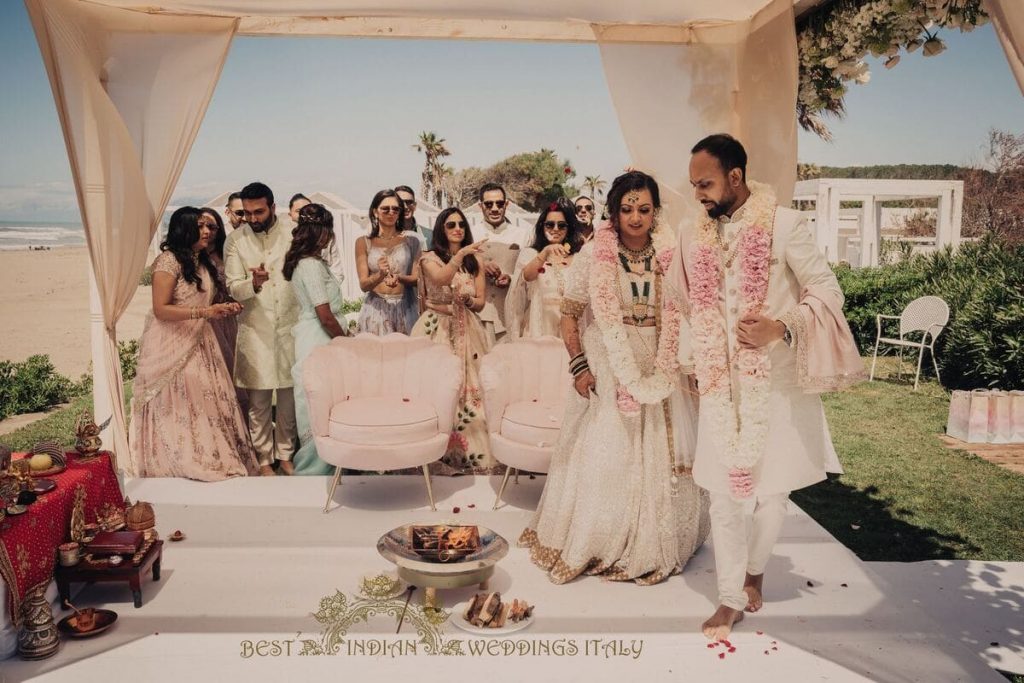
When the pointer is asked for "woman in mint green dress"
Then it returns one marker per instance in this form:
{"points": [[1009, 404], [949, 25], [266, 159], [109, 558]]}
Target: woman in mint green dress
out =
{"points": [[320, 318]]}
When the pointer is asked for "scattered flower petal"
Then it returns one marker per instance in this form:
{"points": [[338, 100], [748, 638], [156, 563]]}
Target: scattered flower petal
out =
{"points": [[731, 650], [456, 509], [721, 655]]}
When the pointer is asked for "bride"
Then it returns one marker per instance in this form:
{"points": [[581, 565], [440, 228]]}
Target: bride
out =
{"points": [[619, 499]]}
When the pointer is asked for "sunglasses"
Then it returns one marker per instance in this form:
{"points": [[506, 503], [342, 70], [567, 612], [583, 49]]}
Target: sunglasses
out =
{"points": [[239, 213], [499, 204], [551, 225], [389, 209], [455, 224], [589, 208]]}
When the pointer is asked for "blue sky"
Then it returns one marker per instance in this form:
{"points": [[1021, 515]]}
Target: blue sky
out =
{"points": [[306, 114]]}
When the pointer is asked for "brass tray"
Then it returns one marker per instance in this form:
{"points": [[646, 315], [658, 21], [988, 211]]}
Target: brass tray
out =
{"points": [[105, 618]]}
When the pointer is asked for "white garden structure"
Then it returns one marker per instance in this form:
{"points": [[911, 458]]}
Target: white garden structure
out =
{"points": [[828, 193]]}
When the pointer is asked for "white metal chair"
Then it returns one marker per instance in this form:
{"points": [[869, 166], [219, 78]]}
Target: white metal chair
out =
{"points": [[928, 315]]}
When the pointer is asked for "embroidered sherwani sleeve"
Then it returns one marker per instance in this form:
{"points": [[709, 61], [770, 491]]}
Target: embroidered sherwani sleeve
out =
{"points": [[238, 281]]}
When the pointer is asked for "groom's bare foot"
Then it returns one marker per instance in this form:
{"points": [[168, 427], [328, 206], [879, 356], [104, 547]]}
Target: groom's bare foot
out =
{"points": [[267, 471], [752, 587], [719, 626], [285, 467]]}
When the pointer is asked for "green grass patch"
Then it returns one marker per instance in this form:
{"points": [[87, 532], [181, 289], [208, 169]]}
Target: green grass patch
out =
{"points": [[58, 426], [905, 496]]}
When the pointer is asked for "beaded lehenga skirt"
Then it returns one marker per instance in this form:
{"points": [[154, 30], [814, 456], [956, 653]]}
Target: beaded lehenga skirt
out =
{"points": [[609, 506]]}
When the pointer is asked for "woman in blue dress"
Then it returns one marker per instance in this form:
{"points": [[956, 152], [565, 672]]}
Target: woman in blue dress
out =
{"points": [[320, 318], [387, 261]]}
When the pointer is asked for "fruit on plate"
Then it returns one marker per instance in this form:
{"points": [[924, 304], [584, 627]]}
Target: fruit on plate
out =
{"points": [[40, 462]]}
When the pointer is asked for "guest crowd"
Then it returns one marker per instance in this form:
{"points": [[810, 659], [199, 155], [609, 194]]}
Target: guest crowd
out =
{"points": [[239, 305]]}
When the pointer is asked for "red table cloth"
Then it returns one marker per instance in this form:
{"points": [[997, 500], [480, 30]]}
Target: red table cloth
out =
{"points": [[28, 542]]}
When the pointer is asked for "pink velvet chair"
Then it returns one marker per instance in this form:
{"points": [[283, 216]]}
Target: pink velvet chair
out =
{"points": [[525, 386], [381, 403]]}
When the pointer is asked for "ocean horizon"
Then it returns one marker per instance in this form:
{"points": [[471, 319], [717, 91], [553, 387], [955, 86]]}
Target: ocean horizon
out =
{"points": [[20, 234]]}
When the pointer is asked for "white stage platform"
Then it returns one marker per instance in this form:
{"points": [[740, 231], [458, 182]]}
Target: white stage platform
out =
{"points": [[260, 555]]}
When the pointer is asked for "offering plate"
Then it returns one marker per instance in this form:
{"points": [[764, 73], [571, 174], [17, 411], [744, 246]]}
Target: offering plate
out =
{"points": [[473, 569]]}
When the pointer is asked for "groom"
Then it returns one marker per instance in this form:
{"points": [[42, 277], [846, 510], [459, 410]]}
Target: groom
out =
{"points": [[768, 335]]}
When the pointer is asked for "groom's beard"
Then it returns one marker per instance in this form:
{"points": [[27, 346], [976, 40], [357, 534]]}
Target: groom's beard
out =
{"points": [[264, 226], [721, 208]]}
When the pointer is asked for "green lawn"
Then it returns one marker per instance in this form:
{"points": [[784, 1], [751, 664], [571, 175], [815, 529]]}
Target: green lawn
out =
{"points": [[904, 496]]}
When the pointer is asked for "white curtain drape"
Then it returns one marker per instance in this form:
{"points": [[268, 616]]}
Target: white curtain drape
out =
{"points": [[131, 90], [738, 78], [1008, 17]]}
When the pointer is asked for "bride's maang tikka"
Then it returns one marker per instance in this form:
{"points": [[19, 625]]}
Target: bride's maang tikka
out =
{"points": [[633, 197]]}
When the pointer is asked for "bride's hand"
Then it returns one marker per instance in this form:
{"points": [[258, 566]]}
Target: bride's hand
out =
{"points": [[585, 383]]}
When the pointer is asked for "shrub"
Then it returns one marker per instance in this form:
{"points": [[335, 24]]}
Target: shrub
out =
{"points": [[32, 385], [983, 283], [128, 351]]}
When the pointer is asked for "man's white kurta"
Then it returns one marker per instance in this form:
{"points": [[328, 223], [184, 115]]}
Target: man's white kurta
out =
{"points": [[265, 351]]}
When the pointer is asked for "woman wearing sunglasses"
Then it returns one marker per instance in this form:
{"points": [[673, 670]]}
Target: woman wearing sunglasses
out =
{"points": [[387, 261], [533, 304], [452, 294]]}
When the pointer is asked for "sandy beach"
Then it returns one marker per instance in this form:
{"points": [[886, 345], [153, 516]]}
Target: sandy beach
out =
{"points": [[44, 308]]}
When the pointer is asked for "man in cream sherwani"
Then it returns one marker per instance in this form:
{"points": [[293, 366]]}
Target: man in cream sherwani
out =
{"points": [[504, 244], [801, 333], [265, 351]]}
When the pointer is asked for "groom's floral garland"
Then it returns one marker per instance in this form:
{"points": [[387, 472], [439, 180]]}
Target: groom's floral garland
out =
{"points": [[633, 388], [742, 432]]}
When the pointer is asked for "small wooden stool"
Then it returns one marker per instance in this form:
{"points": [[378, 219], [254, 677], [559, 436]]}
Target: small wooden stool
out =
{"points": [[85, 572]]}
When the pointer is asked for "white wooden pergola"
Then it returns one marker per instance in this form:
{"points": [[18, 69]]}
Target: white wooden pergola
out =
{"points": [[828, 193]]}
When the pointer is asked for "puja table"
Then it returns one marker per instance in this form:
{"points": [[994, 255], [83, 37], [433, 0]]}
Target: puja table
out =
{"points": [[100, 572], [28, 542]]}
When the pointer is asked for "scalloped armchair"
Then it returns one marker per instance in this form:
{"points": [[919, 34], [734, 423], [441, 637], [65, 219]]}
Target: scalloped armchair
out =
{"points": [[381, 403], [525, 384]]}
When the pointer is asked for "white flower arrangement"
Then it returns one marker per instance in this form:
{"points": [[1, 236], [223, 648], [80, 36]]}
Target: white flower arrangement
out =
{"points": [[834, 40]]}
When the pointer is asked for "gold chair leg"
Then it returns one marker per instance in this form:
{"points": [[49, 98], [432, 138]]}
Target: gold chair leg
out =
{"points": [[430, 490], [334, 486], [504, 483]]}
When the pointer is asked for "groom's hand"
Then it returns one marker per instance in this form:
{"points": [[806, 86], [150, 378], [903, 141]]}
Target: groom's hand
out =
{"points": [[756, 331]]}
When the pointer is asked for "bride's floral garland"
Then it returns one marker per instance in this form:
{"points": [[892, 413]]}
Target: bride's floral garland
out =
{"points": [[741, 432], [633, 388]]}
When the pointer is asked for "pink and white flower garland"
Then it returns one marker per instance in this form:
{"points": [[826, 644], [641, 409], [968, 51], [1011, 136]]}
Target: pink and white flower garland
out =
{"points": [[741, 430], [633, 389]]}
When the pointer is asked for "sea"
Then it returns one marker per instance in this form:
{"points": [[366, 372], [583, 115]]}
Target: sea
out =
{"points": [[22, 235]]}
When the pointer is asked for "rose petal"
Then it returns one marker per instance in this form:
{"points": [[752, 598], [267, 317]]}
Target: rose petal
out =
{"points": [[760, 633], [711, 646], [721, 655], [732, 649], [456, 509], [471, 505]]}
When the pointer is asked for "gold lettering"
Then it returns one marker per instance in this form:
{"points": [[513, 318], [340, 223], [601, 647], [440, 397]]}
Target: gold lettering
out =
{"points": [[247, 650]]}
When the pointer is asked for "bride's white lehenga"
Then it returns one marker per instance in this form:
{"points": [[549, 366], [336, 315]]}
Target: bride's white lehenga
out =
{"points": [[610, 506]]}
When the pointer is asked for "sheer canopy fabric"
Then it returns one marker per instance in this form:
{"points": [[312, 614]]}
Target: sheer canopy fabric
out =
{"points": [[131, 90], [1008, 17], [740, 79]]}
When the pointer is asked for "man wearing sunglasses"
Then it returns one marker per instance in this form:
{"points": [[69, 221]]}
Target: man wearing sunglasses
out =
{"points": [[504, 241], [233, 212], [424, 234], [585, 210]]}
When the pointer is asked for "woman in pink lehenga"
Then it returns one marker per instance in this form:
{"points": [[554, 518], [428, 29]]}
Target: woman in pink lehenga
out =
{"points": [[185, 417], [226, 328]]}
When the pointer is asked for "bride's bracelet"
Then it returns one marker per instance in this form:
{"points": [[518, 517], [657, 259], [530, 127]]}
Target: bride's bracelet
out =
{"points": [[578, 365]]}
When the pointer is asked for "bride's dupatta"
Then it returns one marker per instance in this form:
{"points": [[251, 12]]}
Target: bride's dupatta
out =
{"points": [[168, 345]]}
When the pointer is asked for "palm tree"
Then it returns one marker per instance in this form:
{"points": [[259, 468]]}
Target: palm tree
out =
{"points": [[595, 185], [433, 149]]}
